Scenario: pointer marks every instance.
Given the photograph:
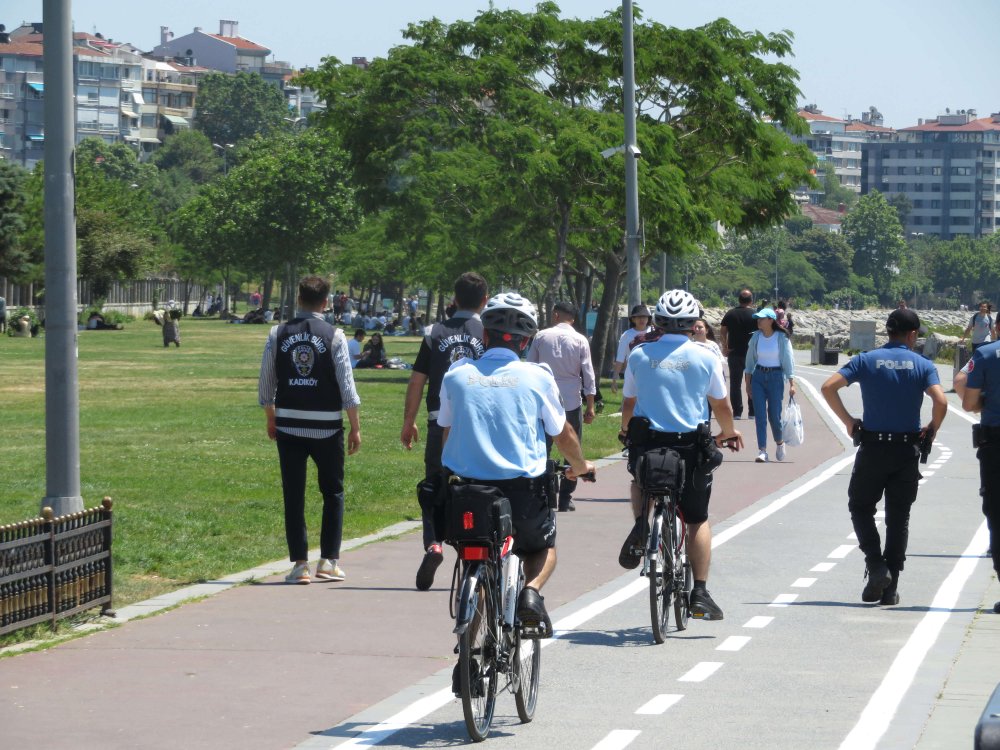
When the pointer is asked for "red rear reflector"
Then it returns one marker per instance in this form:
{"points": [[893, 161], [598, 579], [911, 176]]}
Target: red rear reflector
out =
{"points": [[474, 553], [468, 521]]}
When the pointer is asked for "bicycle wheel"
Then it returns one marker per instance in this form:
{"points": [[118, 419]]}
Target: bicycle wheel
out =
{"points": [[477, 669], [528, 670], [682, 577], [660, 576]]}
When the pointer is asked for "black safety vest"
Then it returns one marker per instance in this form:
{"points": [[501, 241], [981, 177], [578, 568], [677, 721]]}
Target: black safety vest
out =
{"points": [[308, 394], [448, 342]]}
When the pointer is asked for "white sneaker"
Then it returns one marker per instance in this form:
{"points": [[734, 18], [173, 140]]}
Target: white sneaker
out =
{"points": [[299, 574], [779, 452], [329, 570], [761, 457]]}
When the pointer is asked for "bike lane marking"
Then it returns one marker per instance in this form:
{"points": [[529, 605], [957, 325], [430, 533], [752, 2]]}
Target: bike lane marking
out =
{"points": [[659, 704], [617, 739], [733, 643], [701, 671]]}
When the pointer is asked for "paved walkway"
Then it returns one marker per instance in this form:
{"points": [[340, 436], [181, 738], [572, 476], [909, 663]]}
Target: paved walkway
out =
{"points": [[268, 665]]}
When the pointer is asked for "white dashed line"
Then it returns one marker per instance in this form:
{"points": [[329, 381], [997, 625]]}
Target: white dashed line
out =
{"points": [[852, 536], [841, 552], [616, 739], [823, 567], [659, 704], [803, 583], [759, 621], [783, 600], [733, 643], [927, 473], [701, 671]]}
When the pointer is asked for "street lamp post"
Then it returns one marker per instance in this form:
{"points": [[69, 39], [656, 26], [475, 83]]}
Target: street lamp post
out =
{"points": [[631, 160], [224, 150]]}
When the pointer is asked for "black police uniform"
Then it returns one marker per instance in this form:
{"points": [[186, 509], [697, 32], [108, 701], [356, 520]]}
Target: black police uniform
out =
{"points": [[458, 337], [984, 374]]}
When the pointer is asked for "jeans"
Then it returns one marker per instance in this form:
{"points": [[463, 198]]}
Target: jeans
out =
{"points": [[768, 388], [328, 455]]}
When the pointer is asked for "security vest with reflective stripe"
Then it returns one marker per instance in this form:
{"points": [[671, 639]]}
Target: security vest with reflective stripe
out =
{"points": [[308, 394]]}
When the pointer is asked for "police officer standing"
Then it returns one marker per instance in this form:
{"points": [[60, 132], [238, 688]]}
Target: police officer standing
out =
{"points": [[893, 382], [458, 337], [666, 384], [978, 385], [496, 412], [305, 386]]}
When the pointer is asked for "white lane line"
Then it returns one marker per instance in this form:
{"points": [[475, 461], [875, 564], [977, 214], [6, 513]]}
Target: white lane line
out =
{"points": [[616, 739], [803, 583], [701, 671], [879, 712], [759, 621], [927, 473], [409, 715], [561, 627], [823, 567], [841, 552], [659, 704], [733, 643], [922, 481], [852, 536], [738, 528], [783, 600]]}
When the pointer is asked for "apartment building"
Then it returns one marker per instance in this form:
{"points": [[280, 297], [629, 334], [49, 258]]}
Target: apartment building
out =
{"points": [[948, 167], [226, 51], [837, 148], [22, 91], [169, 91]]}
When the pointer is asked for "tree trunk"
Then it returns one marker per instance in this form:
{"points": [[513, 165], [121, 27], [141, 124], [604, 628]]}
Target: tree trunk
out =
{"points": [[607, 316], [265, 301]]}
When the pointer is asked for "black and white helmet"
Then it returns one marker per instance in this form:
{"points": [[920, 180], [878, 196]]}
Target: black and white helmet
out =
{"points": [[509, 312], [676, 311]]}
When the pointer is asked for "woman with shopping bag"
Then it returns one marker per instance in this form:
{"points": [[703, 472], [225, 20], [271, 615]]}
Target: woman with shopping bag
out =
{"points": [[769, 365], [792, 427]]}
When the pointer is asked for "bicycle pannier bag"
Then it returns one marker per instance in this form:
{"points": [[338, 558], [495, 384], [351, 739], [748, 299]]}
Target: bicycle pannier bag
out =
{"points": [[477, 513], [660, 470]]}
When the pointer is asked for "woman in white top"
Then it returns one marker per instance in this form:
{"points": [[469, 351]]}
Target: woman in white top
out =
{"points": [[769, 365]]}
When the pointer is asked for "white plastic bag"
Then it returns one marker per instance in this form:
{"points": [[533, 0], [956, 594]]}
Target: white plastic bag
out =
{"points": [[792, 428]]}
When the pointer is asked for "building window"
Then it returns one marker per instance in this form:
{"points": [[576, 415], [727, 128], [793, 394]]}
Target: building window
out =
{"points": [[935, 204], [936, 171], [961, 187], [987, 205], [6, 90], [935, 220], [917, 220], [901, 170], [918, 187], [961, 221], [918, 170], [961, 204], [900, 187], [936, 187], [885, 170], [936, 153], [918, 203], [961, 171], [918, 154], [988, 153]]}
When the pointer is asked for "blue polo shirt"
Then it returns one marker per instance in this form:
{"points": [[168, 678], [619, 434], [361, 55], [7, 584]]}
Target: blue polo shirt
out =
{"points": [[983, 372], [893, 380], [670, 379], [499, 410]]}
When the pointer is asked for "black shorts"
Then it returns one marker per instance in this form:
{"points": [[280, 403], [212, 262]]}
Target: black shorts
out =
{"points": [[534, 521], [697, 478]]}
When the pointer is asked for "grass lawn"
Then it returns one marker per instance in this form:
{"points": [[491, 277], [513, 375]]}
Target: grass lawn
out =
{"points": [[176, 438]]}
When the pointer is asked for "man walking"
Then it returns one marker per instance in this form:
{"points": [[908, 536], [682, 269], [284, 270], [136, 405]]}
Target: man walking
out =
{"points": [[567, 353], [737, 326], [639, 318], [306, 384], [893, 382], [458, 337]]}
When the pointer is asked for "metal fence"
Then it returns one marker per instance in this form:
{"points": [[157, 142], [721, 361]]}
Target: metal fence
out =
{"points": [[52, 568]]}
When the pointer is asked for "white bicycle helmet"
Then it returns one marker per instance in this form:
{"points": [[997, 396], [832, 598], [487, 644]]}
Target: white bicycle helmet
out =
{"points": [[509, 312], [676, 311]]}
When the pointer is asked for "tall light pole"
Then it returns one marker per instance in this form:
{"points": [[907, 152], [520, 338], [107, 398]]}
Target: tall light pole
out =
{"points": [[632, 155], [62, 398]]}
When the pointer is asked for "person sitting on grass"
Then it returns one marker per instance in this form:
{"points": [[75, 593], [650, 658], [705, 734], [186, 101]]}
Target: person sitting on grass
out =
{"points": [[373, 355]]}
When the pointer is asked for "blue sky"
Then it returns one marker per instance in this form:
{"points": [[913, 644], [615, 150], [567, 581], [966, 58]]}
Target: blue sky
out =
{"points": [[909, 58]]}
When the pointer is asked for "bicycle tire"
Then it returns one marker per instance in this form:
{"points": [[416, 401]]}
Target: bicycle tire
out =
{"points": [[477, 667], [683, 580], [528, 669], [660, 577]]}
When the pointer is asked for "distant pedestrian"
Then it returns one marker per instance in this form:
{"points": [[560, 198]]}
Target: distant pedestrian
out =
{"points": [[3, 315], [639, 318], [981, 326], [172, 328], [306, 384], [737, 326], [567, 353], [769, 364], [893, 382]]}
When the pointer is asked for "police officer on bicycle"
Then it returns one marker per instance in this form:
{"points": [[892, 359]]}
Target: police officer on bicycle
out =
{"points": [[666, 384], [893, 382], [496, 412]]}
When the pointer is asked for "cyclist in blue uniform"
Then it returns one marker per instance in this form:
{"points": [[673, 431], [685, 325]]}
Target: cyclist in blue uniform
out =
{"points": [[666, 383], [496, 412], [893, 382], [978, 385]]}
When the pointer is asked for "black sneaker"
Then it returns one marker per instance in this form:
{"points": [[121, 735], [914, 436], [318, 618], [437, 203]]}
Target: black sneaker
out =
{"points": [[428, 566], [879, 579], [566, 505], [631, 552], [890, 596], [535, 622], [703, 607]]}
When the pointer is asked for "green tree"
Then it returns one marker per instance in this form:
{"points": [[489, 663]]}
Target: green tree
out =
{"points": [[13, 200], [828, 253], [232, 108], [873, 230], [191, 153], [833, 192], [903, 206]]}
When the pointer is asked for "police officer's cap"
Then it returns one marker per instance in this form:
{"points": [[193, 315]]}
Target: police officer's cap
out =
{"points": [[902, 320]]}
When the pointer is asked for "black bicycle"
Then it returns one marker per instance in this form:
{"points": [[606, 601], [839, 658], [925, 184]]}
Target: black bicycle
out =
{"points": [[495, 651], [666, 565]]}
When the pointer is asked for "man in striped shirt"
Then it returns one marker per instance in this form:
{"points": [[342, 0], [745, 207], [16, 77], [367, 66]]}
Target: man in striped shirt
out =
{"points": [[306, 384]]}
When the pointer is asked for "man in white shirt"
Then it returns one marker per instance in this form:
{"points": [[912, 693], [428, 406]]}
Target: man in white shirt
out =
{"points": [[567, 353], [640, 324], [354, 347]]}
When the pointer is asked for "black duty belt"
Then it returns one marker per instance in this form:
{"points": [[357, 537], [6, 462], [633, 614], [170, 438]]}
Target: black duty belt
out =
{"points": [[985, 433], [672, 438], [520, 484], [889, 437]]}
